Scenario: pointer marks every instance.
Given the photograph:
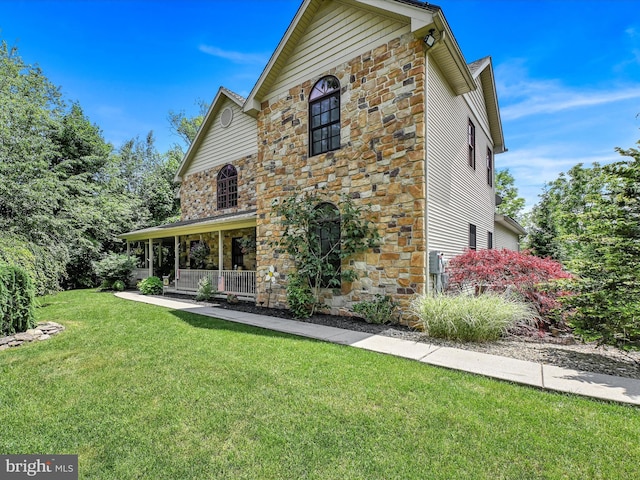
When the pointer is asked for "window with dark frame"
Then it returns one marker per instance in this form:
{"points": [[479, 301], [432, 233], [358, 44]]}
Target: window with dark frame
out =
{"points": [[489, 167], [324, 116], [490, 240], [227, 187], [471, 137], [472, 236], [327, 236]]}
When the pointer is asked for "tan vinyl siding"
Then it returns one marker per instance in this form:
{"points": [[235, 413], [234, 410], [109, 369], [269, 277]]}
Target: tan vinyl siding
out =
{"points": [[476, 102], [505, 239], [337, 33], [224, 145], [457, 194]]}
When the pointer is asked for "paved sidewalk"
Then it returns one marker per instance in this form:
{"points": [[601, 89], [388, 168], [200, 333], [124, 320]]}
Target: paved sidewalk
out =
{"points": [[549, 377]]}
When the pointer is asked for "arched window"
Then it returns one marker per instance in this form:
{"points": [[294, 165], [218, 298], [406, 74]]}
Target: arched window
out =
{"points": [[227, 187], [324, 116], [326, 229]]}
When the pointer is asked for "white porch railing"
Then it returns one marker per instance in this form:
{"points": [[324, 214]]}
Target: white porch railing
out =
{"points": [[239, 282], [139, 274]]}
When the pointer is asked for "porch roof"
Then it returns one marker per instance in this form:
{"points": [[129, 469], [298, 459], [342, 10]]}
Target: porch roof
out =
{"points": [[201, 225]]}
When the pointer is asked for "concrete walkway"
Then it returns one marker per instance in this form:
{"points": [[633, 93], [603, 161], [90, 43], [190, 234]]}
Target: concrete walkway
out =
{"points": [[549, 377]]}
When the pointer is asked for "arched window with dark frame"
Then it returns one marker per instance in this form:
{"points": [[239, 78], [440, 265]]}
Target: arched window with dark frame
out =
{"points": [[324, 116], [326, 229], [227, 187]]}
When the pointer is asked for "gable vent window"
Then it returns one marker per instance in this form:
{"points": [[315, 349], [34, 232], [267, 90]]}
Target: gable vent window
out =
{"points": [[227, 187], [226, 117], [324, 116]]}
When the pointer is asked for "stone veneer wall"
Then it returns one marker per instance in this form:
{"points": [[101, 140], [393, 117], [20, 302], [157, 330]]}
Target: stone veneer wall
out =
{"points": [[198, 192], [381, 163]]}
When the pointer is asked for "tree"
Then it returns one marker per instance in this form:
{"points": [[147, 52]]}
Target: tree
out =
{"points": [[309, 222], [556, 221], [187, 127], [607, 302], [512, 205]]}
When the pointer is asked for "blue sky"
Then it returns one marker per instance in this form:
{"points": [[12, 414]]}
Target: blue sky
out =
{"points": [[567, 71]]}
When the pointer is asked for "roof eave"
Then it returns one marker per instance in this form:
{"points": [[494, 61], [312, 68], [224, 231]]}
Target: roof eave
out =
{"points": [[510, 224], [210, 224]]}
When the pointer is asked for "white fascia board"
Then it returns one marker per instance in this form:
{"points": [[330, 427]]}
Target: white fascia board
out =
{"points": [[420, 17]]}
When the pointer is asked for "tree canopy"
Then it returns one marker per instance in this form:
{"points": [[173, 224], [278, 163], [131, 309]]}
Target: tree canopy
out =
{"points": [[66, 193], [589, 218]]}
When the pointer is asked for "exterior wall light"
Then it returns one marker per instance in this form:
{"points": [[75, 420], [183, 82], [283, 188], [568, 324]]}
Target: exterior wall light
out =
{"points": [[429, 40]]}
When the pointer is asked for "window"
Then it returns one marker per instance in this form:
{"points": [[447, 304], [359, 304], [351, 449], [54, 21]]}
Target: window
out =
{"points": [[324, 116], [327, 239], [472, 236], [471, 138], [490, 240], [227, 187], [489, 167]]}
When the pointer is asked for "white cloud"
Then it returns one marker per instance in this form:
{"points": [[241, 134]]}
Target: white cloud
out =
{"points": [[524, 96], [235, 57], [532, 168]]}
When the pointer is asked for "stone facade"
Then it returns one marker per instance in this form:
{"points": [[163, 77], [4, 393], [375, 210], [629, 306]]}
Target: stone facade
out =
{"points": [[198, 192], [381, 163]]}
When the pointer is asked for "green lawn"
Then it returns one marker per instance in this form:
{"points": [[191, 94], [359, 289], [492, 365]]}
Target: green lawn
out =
{"points": [[144, 392]]}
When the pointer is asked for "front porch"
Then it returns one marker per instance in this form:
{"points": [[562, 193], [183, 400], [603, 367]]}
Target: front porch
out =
{"points": [[182, 254]]}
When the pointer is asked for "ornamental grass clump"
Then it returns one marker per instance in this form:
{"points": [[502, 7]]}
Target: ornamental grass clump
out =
{"points": [[482, 318]]}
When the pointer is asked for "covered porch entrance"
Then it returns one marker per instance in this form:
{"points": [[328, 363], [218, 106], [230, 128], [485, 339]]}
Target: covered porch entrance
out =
{"points": [[221, 249]]}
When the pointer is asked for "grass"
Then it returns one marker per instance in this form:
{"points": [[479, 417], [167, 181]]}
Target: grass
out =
{"points": [[139, 391]]}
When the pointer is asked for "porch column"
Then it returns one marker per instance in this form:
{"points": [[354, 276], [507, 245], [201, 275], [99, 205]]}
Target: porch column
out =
{"points": [[151, 257], [176, 258], [220, 252]]}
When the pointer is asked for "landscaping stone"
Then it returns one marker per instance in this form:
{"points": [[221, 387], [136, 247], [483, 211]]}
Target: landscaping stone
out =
{"points": [[43, 331]]}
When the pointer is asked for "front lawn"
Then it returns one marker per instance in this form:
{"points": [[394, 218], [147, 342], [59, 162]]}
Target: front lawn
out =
{"points": [[144, 392]]}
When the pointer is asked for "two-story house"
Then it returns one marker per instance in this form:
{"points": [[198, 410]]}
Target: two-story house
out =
{"points": [[369, 98]]}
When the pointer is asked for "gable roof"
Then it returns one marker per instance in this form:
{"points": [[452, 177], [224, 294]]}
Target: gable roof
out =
{"points": [[483, 68], [421, 16], [223, 93]]}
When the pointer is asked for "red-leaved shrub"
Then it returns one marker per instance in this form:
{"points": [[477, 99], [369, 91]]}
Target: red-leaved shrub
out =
{"points": [[498, 270]]}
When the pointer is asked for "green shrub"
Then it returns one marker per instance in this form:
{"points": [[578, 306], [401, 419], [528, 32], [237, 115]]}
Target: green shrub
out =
{"points": [[299, 296], [232, 299], [114, 267], [205, 290], [118, 286], [150, 286], [45, 265], [17, 300], [380, 310], [468, 318]]}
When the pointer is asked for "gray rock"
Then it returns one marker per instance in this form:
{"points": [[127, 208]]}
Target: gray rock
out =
{"points": [[24, 336]]}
